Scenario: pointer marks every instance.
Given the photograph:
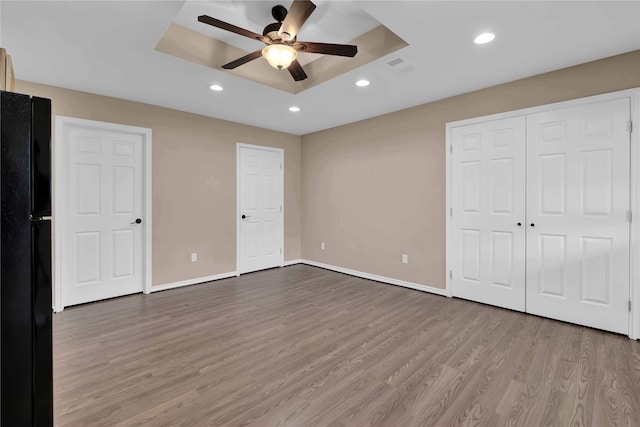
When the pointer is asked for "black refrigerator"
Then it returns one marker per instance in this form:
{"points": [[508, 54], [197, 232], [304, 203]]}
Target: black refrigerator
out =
{"points": [[26, 371]]}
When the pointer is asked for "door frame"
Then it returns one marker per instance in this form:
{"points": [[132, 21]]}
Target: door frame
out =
{"points": [[61, 176], [634, 248], [240, 145]]}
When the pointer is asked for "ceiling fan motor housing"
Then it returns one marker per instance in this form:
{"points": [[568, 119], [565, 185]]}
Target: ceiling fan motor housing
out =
{"points": [[271, 31], [279, 12]]}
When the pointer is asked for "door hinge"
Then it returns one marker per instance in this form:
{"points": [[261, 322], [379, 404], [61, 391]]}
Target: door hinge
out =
{"points": [[450, 274], [629, 216], [629, 305], [629, 126], [280, 208], [450, 211], [451, 148], [280, 251], [280, 166]]}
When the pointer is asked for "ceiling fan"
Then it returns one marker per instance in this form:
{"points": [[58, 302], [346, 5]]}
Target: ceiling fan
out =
{"points": [[280, 38]]}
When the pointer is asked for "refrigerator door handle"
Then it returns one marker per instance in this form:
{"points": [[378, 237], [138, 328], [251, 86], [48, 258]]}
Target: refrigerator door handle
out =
{"points": [[39, 218]]}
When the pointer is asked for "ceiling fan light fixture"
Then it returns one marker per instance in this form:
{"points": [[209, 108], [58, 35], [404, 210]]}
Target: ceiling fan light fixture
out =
{"points": [[279, 55], [484, 38]]}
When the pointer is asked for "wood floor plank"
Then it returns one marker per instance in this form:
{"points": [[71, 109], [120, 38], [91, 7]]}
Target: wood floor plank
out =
{"points": [[481, 395], [303, 346]]}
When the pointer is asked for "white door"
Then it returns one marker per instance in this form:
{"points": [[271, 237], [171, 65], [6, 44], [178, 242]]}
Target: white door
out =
{"points": [[488, 213], [260, 193], [102, 251], [577, 207]]}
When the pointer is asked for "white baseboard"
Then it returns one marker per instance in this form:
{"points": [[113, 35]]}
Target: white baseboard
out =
{"points": [[348, 271], [190, 282], [377, 278]]}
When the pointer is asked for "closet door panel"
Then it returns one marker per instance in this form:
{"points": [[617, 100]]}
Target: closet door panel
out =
{"points": [[577, 225], [488, 178]]}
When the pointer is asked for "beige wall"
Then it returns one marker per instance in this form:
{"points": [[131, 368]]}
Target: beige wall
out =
{"points": [[371, 190], [375, 189], [194, 179]]}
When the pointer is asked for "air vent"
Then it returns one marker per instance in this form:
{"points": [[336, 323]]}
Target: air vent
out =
{"points": [[400, 65]]}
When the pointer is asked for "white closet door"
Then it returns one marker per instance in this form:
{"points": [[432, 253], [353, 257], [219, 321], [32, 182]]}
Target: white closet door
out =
{"points": [[577, 206], [488, 202]]}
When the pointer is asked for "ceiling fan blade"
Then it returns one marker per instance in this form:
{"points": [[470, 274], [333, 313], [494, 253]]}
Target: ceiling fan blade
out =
{"points": [[298, 14], [327, 48], [226, 26], [240, 61], [296, 71]]}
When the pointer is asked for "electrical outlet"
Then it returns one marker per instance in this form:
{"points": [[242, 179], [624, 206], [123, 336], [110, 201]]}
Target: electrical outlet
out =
{"points": [[194, 257], [405, 259], [322, 246]]}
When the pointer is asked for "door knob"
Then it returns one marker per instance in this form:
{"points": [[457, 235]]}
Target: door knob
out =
{"points": [[137, 221], [533, 225], [245, 216], [519, 224]]}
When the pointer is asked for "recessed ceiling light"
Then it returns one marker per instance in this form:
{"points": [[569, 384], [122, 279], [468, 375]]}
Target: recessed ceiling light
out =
{"points": [[216, 88], [362, 83], [484, 38], [294, 109]]}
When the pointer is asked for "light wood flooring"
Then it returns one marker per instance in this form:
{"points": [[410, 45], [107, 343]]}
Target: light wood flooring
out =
{"points": [[302, 346]]}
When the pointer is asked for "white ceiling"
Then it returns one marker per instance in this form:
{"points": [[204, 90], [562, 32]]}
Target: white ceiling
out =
{"points": [[108, 48]]}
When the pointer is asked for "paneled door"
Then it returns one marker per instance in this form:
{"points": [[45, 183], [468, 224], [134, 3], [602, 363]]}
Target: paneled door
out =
{"points": [[260, 196], [577, 214], [488, 213], [102, 246]]}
